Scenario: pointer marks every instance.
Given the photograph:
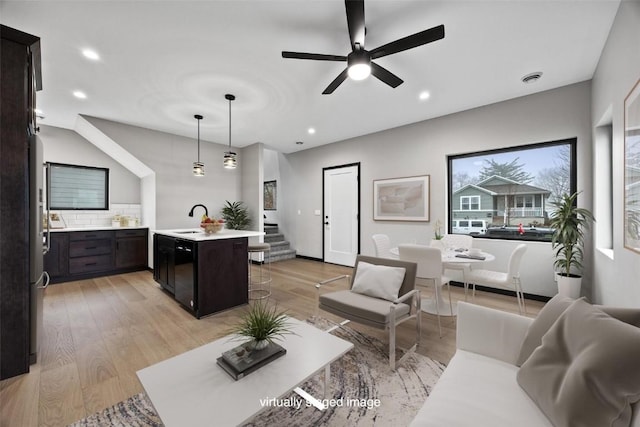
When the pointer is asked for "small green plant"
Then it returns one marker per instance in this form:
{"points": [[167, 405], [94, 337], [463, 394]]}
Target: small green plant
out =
{"points": [[569, 223], [262, 323], [236, 215], [437, 232]]}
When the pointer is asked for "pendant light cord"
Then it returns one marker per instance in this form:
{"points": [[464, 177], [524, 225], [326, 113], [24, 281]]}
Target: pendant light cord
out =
{"points": [[229, 124], [198, 140]]}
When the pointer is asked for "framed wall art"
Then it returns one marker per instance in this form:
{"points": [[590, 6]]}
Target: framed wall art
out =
{"points": [[632, 169], [270, 193], [401, 199]]}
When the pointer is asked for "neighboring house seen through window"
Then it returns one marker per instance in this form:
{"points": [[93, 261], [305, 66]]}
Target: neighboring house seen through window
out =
{"points": [[510, 192]]}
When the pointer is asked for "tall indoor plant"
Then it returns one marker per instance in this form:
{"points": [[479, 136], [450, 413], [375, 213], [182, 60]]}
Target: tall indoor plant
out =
{"points": [[569, 223], [236, 215]]}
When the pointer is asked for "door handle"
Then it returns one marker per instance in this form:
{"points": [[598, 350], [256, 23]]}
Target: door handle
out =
{"points": [[326, 223]]}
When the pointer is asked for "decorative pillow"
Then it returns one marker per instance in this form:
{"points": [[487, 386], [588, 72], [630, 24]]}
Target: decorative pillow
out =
{"points": [[541, 324], [379, 281], [550, 313], [586, 371]]}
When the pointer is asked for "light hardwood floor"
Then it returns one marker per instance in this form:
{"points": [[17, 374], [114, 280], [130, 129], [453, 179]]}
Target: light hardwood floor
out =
{"points": [[99, 332]]}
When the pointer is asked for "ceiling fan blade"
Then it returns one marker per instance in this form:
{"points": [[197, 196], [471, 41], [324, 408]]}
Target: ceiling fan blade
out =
{"points": [[335, 83], [409, 42], [313, 56], [355, 21], [385, 75]]}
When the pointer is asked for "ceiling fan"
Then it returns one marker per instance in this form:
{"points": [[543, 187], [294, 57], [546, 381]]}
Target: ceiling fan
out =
{"points": [[359, 64]]}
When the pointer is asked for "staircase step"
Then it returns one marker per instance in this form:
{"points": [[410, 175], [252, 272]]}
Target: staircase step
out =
{"points": [[275, 237], [271, 229], [279, 245], [282, 255]]}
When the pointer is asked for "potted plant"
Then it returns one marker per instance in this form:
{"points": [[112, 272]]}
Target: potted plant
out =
{"points": [[436, 242], [236, 215], [262, 324], [569, 223]]}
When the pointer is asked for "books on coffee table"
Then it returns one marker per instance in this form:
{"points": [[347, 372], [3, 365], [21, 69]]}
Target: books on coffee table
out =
{"points": [[242, 360]]}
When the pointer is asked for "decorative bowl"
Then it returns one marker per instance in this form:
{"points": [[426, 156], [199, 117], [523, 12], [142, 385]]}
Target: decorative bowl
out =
{"points": [[211, 227]]}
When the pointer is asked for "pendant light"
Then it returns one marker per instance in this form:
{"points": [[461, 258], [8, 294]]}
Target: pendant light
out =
{"points": [[198, 167], [230, 161]]}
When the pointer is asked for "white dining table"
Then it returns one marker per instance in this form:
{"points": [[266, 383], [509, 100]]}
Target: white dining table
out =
{"points": [[440, 305]]}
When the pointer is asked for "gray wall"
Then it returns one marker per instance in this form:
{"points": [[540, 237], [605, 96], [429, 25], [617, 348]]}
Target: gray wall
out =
{"points": [[421, 148], [171, 158], [616, 272], [66, 146]]}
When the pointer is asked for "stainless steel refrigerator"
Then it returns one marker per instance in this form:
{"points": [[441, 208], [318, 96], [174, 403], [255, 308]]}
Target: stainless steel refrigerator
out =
{"points": [[38, 244]]}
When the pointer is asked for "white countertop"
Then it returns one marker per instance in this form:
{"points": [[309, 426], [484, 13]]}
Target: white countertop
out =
{"points": [[198, 234], [95, 228]]}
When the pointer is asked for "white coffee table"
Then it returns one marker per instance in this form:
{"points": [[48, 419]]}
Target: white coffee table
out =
{"points": [[192, 390]]}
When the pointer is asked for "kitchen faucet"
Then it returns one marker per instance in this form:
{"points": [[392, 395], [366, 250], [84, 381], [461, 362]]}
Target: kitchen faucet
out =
{"points": [[206, 211]]}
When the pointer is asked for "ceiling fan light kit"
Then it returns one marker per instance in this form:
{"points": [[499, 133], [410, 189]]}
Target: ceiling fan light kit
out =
{"points": [[359, 64], [229, 161], [198, 167]]}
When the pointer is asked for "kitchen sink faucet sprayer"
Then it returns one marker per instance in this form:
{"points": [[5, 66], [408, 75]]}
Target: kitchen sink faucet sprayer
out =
{"points": [[206, 211]]}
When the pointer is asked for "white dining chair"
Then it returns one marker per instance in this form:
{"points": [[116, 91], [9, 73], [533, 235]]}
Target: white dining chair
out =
{"points": [[382, 245], [429, 262], [459, 241], [506, 280]]}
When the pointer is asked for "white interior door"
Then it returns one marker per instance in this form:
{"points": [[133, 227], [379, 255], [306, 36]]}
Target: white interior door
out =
{"points": [[341, 215]]}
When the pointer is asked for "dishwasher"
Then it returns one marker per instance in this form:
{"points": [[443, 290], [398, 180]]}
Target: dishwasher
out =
{"points": [[185, 257]]}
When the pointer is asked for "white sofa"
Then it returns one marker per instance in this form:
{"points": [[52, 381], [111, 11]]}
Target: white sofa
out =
{"points": [[479, 386]]}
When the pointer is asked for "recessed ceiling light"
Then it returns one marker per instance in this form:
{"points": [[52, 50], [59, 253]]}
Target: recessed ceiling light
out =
{"points": [[299, 142], [424, 95], [532, 77], [311, 131], [79, 94], [91, 54]]}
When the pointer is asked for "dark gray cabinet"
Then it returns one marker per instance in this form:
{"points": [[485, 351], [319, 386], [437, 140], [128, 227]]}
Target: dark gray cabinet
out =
{"points": [[76, 255], [206, 276], [131, 248], [163, 261]]}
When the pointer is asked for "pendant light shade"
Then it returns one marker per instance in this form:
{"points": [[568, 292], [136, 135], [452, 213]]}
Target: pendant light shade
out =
{"points": [[198, 167], [230, 161]]}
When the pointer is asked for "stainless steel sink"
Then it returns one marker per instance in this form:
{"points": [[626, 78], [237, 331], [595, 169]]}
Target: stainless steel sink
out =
{"points": [[189, 232]]}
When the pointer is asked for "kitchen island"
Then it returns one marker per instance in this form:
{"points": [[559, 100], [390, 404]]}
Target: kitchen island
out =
{"points": [[206, 273]]}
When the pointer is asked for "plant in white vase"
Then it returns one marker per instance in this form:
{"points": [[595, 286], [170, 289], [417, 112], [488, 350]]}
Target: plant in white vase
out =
{"points": [[569, 223]]}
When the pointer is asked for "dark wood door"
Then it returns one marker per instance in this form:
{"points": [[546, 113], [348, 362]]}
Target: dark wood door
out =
{"points": [[131, 252], [163, 262], [19, 66]]}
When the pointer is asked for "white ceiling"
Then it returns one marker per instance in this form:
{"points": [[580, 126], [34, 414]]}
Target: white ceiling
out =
{"points": [[164, 61]]}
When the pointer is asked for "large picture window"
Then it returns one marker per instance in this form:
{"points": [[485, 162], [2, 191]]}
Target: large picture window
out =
{"points": [[77, 187], [510, 192]]}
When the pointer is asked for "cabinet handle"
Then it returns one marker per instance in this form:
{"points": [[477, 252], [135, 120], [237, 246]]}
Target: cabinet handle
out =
{"points": [[91, 247], [90, 263], [89, 235]]}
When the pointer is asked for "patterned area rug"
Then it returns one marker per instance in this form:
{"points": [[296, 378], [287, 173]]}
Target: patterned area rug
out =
{"points": [[363, 391]]}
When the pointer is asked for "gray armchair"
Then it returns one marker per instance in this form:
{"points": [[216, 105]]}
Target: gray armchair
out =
{"points": [[377, 312]]}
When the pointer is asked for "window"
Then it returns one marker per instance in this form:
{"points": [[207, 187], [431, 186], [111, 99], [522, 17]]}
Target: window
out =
{"points": [[77, 187], [509, 193], [470, 203]]}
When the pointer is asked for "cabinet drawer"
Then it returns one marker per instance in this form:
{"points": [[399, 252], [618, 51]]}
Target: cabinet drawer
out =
{"points": [[90, 247], [140, 232], [90, 264], [90, 235]]}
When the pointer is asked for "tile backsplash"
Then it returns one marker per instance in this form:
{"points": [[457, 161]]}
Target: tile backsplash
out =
{"points": [[79, 219]]}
